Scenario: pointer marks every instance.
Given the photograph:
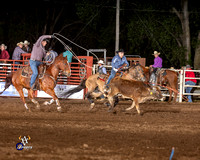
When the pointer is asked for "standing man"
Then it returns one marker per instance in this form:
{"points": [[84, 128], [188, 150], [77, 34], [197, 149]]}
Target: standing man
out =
{"points": [[37, 54], [17, 52], [118, 62], [26, 47], [189, 81], [156, 67]]}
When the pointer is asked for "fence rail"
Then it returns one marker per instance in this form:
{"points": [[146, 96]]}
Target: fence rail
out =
{"points": [[78, 69]]}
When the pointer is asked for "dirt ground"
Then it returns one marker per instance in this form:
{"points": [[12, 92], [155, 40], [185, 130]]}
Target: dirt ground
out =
{"points": [[81, 134]]}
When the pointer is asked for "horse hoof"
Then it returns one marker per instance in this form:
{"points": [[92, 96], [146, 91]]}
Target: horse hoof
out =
{"points": [[28, 110], [38, 107], [92, 105], [59, 109], [46, 103]]}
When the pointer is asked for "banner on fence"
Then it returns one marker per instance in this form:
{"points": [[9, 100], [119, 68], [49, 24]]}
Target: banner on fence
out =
{"points": [[11, 91], [59, 89]]}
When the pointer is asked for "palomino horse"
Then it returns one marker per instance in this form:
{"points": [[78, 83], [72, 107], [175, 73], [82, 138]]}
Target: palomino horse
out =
{"points": [[47, 82], [95, 81], [169, 79]]}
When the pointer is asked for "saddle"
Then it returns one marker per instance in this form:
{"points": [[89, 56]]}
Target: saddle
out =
{"points": [[27, 72], [159, 73]]}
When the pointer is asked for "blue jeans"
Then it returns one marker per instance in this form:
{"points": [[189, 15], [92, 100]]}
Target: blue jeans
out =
{"points": [[34, 66], [188, 90], [112, 75]]}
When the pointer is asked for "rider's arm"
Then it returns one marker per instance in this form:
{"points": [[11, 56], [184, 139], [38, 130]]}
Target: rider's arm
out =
{"points": [[41, 38]]}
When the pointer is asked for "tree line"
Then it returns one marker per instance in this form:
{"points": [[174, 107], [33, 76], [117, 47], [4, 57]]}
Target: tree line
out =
{"points": [[171, 27]]}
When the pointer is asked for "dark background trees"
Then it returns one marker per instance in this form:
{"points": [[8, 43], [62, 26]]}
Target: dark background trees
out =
{"points": [[145, 26]]}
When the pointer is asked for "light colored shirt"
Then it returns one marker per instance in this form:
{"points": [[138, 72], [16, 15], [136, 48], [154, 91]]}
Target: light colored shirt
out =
{"points": [[38, 51], [102, 70]]}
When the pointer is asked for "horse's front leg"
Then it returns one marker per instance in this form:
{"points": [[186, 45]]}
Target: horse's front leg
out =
{"points": [[31, 97], [48, 103], [55, 98]]}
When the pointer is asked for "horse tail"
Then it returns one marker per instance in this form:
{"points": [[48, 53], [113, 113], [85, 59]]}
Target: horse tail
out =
{"points": [[8, 82], [75, 90]]}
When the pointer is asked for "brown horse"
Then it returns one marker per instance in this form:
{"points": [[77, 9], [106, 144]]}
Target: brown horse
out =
{"points": [[169, 79], [47, 82], [95, 81]]}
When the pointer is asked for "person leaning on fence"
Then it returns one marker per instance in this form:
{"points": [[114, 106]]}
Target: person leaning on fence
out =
{"points": [[69, 54], [190, 82], [26, 47], [17, 52], [4, 53], [155, 67], [37, 54], [118, 62]]}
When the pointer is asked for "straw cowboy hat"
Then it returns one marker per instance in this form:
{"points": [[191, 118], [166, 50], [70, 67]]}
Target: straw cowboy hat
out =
{"points": [[101, 62], [156, 52], [4, 46], [26, 42], [20, 43]]}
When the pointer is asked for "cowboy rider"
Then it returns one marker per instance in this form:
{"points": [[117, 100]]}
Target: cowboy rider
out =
{"points": [[37, 54], [118, 62], [156, 67], [101, 68]]}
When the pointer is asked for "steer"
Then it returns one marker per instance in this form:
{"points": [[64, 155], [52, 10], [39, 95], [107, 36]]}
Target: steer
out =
{"points": [[138, 91]]}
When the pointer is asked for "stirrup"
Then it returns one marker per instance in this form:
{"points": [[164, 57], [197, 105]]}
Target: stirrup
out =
{"points": [[34, 87]]}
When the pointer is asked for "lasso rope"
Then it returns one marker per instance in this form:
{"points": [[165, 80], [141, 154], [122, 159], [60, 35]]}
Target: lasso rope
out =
{"points": [[66, 47]]}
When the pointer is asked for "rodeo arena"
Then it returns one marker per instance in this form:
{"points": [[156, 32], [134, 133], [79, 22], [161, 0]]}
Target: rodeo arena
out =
{"points": [[121, 126]]}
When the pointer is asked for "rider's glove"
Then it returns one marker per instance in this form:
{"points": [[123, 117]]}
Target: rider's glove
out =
{"points": [[115, 69], [52, 36]]}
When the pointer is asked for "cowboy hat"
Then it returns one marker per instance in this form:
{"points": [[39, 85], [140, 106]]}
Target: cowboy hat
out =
{"points": [[101, 62], [5, 47], [26, 42], [156, 52], [20, 43], [121, 50]]}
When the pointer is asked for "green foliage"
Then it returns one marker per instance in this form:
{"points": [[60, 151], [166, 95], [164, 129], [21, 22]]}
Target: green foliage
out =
{"points": [[156, 31]]}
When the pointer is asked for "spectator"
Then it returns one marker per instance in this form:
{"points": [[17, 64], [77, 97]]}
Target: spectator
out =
{"points": [[17, 52], [4, 53], [68, 54], [189, 81], [26, 47]]}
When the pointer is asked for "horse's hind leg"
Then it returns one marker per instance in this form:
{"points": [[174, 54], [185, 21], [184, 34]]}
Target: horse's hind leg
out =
{"points": [[90, 99], [170, 96], [31, 97]]}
